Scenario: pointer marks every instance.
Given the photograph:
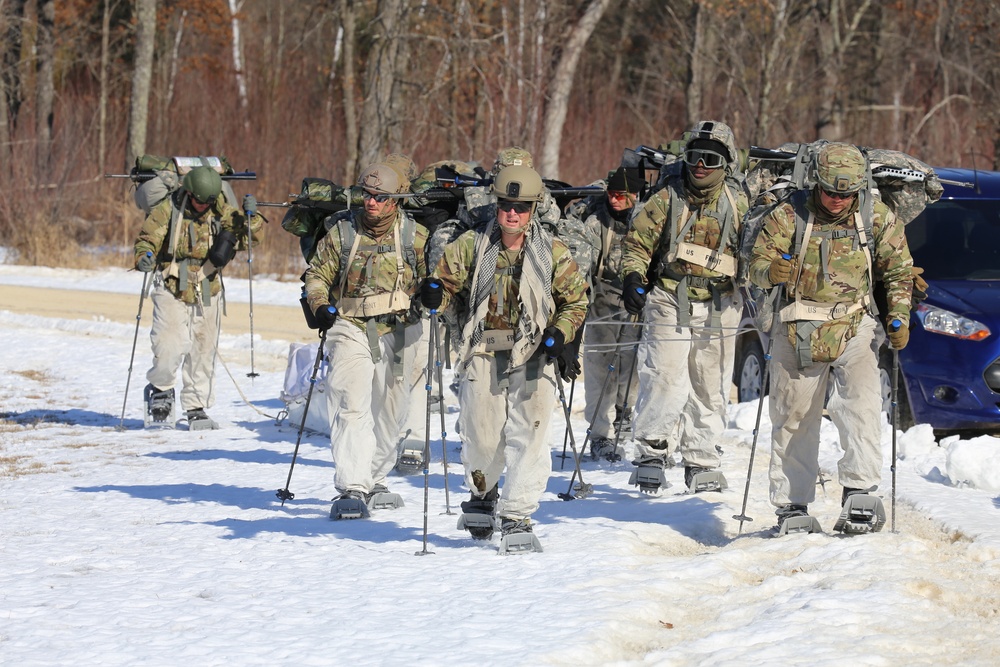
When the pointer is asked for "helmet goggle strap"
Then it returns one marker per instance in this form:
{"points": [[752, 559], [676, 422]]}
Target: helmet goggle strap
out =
{"points": [[709, 159]]}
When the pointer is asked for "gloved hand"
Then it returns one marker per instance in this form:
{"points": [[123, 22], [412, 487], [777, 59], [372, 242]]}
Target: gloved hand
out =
{"points": [[569, 361], [781, 270], [634, 293], [249, 205], [899, 334], [553, 342], [223, 249], [146, 263], [431, 293], [326, 315], [919, 285]]}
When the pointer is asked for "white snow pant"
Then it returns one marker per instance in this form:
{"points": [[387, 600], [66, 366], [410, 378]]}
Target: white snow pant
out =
{"points": [[796, 409], [506, 427], [412, 434], [599, 354], [367, 404], [682, 378], [184, 336]]}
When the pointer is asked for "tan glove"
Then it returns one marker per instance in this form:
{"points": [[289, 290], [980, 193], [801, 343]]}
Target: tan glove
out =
{"points": [[898, 338], [780, 271], [919, 285]]}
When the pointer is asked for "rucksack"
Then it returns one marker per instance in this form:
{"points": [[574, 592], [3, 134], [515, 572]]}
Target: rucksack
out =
{"points": [[162, 176], [317, 199]]}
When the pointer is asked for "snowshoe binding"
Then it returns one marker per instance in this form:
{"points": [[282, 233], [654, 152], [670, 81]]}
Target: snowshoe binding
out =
{"points": [[605, 448], [648, 475], [517, 537], [861, 513], [698, 479], [795, 519], [349, 505], [379, 498], [159, 407], [198, 420], [477, 515], [411, 458]]}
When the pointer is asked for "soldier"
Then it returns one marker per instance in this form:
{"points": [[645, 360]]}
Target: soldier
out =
{"points": [[692, 227], [841, 240], [593, 229], [523, 289], [188, 238], [359, 285]]}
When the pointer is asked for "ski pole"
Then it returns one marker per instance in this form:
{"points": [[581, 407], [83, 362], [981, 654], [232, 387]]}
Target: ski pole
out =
{"points": [[896, 324], [135, 338], [284, 494], [742, 516], [583, 490], [432, 340], [572, 390], [628, 391], [253, 373], [439, 346]]}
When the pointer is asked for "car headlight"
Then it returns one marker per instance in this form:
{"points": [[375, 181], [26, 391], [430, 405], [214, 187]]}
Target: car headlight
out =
{"points": [[941, 321]]}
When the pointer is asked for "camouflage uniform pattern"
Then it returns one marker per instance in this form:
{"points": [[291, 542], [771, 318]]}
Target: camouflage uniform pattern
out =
{"points": [[194, 239], [370, 273]]}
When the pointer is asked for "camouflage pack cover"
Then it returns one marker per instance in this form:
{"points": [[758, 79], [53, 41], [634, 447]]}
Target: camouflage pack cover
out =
{"points": [[404, 168], [512, 156], [427, 179]]}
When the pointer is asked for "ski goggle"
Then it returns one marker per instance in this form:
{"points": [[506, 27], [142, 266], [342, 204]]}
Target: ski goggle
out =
{"points": [[709, 159], [371, 195], [516, 206]]}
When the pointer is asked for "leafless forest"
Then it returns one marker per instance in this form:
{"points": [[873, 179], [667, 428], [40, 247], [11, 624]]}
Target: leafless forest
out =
{"points": [[295, 88]]}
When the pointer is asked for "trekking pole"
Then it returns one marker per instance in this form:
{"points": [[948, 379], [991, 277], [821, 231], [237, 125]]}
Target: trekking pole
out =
{"points": [[582, 489], [572, 390], [628, 392], [284, 494], [253, 373], [894, 389], [135, 338], [439, 345], [432, 340], [742, 516]]}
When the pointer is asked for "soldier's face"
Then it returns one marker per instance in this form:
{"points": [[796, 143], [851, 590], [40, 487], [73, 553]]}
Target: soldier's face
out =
{"points": [[199, 207], [374, 207], [620, 201], [513, 216], [835, 203]]}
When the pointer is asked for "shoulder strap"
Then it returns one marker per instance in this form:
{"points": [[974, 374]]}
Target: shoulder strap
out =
{"points": [[349, 239]]}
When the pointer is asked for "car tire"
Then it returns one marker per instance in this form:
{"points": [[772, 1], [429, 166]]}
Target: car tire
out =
{"points": [[750, 366]]}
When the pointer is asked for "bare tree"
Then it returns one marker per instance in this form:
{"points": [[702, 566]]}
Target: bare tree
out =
{"points": [[241, 84], [347, 20], [45, 84], [378, 121], [142, 73], [836, 31], [697, 63]]}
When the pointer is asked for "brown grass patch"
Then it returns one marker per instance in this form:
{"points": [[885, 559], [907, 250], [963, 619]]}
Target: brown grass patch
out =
{"points": [[37, 376]]}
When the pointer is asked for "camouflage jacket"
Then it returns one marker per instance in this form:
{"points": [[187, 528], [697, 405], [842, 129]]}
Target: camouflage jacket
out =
{"points": [[650, 237], [194, 238], [569, 289], [594, 238], [372, 271], [848, 280]]}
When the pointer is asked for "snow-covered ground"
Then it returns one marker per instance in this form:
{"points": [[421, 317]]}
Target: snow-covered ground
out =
{"points": [[169, 547]]}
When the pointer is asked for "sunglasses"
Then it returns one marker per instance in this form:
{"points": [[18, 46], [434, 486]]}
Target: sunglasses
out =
{"points": [[618, 194], [516, 206], [378, 198], [839, 195], [709, 159], [208, 202]]}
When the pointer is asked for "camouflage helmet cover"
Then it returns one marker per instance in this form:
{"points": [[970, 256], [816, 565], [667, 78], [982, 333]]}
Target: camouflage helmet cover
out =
{"points": [[840, 168], [518, 183], [428, 177], [512, 156], [403, 166], [203, 184], [714, 130], [381, 179]]}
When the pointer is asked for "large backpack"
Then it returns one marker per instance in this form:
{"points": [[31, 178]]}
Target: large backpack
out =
{"points": [[163, 176], [318, 199]]}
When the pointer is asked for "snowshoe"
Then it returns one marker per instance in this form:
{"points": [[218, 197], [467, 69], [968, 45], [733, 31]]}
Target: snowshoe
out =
{"points": [[198, 420], [517, 537], [477, 516], [379, 498], [604, 448], [862, 513], [698, 479], [411, 459], [159, 407], [795, 519], [648, 475], [349, 505]]}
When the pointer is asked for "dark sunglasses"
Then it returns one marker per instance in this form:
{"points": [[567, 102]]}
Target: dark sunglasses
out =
{"points": [[618, 194], [209, 202], [710, 159], [839, 195], [516, 206], [378, 198]]}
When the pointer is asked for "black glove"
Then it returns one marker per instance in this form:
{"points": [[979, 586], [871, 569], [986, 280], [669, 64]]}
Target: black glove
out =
{"points": [[223, 250], [553, 342], [431, 293], [146, 263], [634, 293], [326, 315], [569, 361], [249, 205]]}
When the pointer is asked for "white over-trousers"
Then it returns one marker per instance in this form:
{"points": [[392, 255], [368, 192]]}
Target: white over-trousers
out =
{"points": [[506, 427], [796, 409], [599, 356], [367, 404], [684, 378], [184, 336]]}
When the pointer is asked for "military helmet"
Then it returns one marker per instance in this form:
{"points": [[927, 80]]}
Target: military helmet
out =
{"points": [[380, 179], [203, 184], [512, 156], [719, 134], [518, 183], [840, 168]]}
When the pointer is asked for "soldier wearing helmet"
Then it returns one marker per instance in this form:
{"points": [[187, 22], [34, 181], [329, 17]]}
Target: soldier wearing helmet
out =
{"points": [[690, 307], [523, 289], [360, 286], [479, 205], [185, 241], [825, 248]]}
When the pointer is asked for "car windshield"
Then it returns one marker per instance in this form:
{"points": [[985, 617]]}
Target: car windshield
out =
{"points": [[957, 240]]}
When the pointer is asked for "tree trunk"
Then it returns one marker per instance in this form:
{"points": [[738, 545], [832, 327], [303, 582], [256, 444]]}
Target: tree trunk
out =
{"points": [[102, 104], [377, 118], [142, 73], [241, 84], [769, 71], [697, 64], [562, 86], [45, 86], [347, 19], [11, 66]]}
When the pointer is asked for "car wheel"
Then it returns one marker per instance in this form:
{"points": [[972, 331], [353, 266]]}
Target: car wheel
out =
{"points": [[750, 373]]}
